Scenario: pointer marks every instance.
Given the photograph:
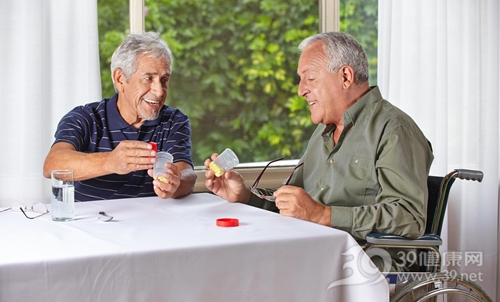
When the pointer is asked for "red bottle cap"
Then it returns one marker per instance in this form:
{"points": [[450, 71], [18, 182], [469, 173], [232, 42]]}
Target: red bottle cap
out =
{"points": [[155, 147], [227, 222]]}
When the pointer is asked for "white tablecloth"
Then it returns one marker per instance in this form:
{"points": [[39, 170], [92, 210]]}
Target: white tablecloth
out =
{"points": [[172, 250]]}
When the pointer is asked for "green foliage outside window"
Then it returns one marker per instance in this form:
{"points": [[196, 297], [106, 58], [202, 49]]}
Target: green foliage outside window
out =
{"points": [[234, 71], [360, 19]]}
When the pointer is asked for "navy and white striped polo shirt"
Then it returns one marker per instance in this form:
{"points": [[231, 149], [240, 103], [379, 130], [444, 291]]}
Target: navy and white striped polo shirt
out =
{"points": [[99, 127]]}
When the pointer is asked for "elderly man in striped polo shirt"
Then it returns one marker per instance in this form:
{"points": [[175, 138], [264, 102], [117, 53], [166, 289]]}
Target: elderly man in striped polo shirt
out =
{"points": [[106, 143]]}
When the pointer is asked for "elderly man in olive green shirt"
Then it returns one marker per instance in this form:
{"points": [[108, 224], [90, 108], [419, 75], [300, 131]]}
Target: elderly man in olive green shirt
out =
{"points": [[366, 165]]}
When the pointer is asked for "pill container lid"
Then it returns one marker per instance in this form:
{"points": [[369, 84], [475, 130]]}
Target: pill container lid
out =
{"points": [[227, 222], [155, 147]]}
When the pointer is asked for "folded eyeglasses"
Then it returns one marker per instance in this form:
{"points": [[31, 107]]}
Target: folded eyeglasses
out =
{"points": [[254, 190]]}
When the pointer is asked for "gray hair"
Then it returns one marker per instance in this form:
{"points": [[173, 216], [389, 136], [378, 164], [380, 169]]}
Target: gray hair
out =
{"points": [[341, 49], [135, 45]]}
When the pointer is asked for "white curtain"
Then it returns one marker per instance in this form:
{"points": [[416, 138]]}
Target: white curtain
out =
{"points": [[49, 60], [439, 62]]}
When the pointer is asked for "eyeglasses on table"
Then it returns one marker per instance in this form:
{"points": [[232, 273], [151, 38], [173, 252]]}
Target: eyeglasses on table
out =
{"points": [[254, 190], [39, 208]]}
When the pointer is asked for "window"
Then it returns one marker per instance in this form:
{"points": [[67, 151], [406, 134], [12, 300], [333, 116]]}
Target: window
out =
{"points": [[234, 73], [234, 70]]}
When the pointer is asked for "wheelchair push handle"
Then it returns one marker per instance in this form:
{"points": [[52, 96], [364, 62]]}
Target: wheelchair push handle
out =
{"points": [[469, 174]]}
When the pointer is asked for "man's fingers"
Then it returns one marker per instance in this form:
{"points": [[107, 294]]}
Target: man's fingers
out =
{"points": [[164, 189], [132, 144], [140, 153]]}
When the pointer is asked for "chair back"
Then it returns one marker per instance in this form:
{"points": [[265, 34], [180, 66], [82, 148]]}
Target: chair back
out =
{"points": [[439, 190]]}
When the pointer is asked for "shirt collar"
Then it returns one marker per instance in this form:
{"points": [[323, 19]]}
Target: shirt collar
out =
{"points": [[116, 121], [356, 110], [328, 129]]}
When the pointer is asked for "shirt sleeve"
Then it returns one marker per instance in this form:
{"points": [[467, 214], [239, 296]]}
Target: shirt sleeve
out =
{"points": [[402, 167], [74, 128]]}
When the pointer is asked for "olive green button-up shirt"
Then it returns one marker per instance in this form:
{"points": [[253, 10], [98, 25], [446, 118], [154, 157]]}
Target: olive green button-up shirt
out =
{"points": [[375, 177]]}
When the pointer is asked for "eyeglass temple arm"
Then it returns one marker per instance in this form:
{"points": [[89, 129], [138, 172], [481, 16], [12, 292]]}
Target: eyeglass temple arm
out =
{"points": [[25, 213], [263, 170], [293, 171], [41, 214]]}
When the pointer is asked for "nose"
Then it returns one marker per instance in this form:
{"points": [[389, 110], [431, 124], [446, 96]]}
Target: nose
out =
{"points": [[158, 89], [302, 90]]}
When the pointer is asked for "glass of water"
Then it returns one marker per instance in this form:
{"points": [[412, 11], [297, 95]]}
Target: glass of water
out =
{"points": [[63, 195]]}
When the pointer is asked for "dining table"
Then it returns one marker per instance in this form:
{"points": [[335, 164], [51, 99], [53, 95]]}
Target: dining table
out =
{"points": [[196, 248]]}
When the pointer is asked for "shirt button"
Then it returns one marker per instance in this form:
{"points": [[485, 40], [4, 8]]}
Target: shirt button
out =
{"points": [[356, 161], [332, 160]]}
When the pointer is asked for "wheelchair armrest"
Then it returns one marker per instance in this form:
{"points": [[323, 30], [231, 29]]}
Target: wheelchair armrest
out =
{"points": [[391, 239]]}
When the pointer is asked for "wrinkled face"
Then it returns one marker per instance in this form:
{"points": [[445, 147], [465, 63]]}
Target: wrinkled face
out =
{"points": [[321, 88], [145, 92]]}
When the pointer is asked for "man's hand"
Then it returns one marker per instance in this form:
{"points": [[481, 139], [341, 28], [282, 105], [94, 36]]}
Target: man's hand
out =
{"points": [[169, 183], [229, 186], [130, 156], [296, 202]]}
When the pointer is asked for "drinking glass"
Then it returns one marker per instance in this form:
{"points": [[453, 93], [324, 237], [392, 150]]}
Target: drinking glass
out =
{"points": [[63, 195]]}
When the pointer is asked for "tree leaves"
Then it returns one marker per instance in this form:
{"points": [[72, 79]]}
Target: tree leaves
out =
{"points": [[234, 71]]}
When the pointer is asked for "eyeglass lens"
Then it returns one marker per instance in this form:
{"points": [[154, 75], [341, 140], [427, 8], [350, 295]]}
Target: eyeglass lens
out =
{"points": [[38, 207], [270, 198]]}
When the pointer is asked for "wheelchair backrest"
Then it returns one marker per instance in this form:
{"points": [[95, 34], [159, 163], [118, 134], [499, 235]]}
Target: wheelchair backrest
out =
{"points": [[436, 203]]}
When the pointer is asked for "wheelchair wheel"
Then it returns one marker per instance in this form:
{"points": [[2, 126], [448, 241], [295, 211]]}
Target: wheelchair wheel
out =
{"points": [[440, 287]]}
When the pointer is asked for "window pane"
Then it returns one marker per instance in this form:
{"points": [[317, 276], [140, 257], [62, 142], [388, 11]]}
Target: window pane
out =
{"points": [[360, 19], [113, 22], [234, 73]]}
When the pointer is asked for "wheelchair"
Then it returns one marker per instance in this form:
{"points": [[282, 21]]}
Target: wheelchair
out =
{"points": [[427, 283]]}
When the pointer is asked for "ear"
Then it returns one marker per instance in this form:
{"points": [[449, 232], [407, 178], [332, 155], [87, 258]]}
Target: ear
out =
{"points": [[347, 74], [119, 79]]}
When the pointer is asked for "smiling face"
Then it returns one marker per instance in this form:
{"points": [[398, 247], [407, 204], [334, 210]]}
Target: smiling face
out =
{"points": [[321, 88], [141, 97]]}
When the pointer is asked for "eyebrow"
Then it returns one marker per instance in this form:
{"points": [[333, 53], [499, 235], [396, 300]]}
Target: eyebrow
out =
{"points": [[155, 73], [302, 72], [308, 69]]}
